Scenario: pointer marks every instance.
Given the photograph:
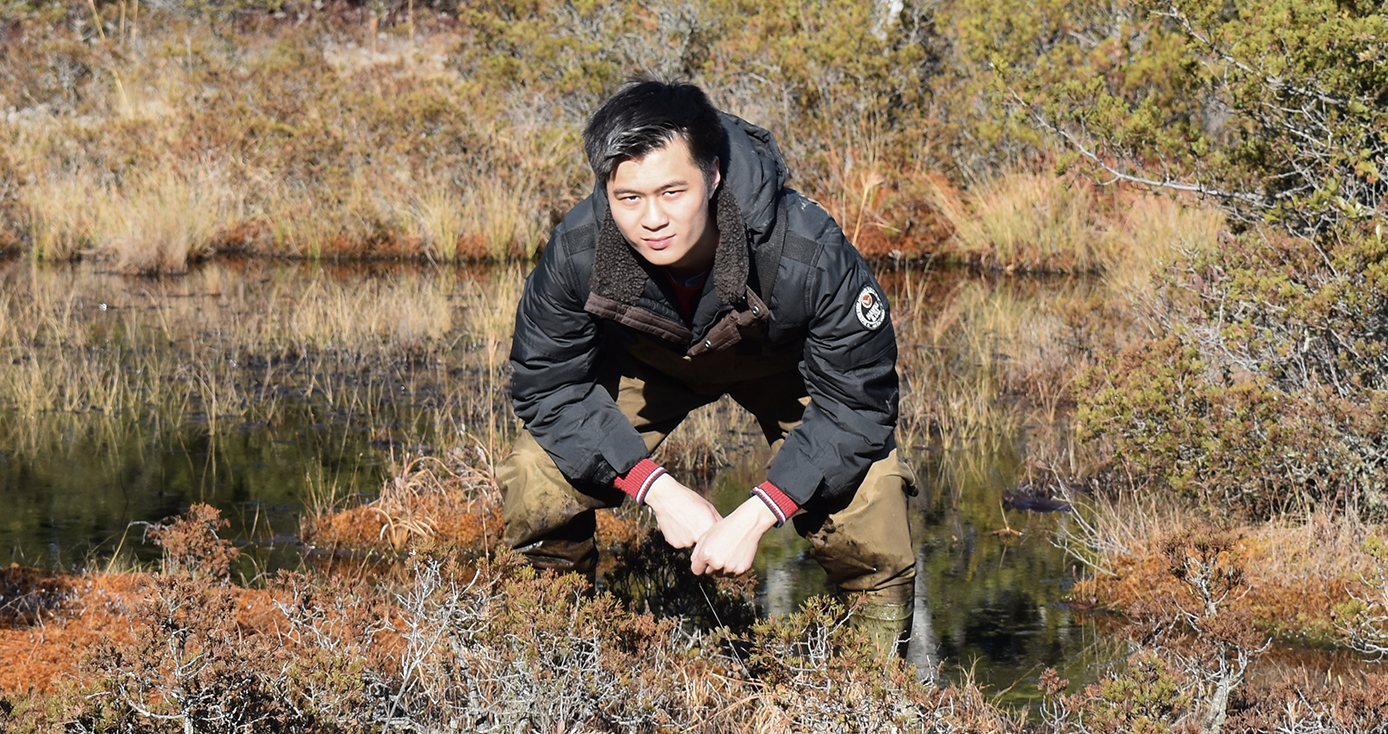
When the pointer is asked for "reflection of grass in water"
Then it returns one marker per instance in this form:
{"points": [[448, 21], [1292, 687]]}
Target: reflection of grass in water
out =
{"points": [[220, 345], [980, 361], [126, 370], [421, 358], [997, 599]]}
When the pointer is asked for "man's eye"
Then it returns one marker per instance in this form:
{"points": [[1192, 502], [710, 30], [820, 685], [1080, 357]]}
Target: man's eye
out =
{"points": [[674, 192]]}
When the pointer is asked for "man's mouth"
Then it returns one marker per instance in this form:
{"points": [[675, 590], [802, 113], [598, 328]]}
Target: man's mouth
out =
{"points": [[661, 243]]}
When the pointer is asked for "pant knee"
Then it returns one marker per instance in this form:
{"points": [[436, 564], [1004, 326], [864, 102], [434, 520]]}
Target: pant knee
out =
{"points": [[539, 503], [867, 546]]}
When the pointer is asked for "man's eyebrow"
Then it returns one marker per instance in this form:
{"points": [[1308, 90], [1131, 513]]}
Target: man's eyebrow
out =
{"points": [[681, 184]]}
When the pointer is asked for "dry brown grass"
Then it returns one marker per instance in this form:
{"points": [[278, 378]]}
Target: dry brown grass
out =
{"points": [[1024, 221], [156, 161], [1153, 233], [162, 223], [41, 653], [1297, 570], [62, 225], [426, 503]]}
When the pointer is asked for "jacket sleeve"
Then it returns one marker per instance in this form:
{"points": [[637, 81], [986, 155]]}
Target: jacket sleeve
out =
{"points": [[849, 368], [554, 353]]}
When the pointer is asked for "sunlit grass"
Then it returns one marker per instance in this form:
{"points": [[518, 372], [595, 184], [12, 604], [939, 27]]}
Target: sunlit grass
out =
{"points": [[1155, 232], [439, 212], [62, 224], [163, 222], [1041, 222], [1025, 221]]}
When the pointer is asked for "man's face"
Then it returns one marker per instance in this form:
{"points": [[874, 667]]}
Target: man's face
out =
{"points": [[661, 205]]}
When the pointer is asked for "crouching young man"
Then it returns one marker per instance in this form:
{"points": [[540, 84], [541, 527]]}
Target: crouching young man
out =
{"points": [[690, 273]]}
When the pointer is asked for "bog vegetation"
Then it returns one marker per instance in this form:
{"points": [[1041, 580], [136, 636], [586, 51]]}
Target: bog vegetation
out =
{"points": [[1212, 395]]}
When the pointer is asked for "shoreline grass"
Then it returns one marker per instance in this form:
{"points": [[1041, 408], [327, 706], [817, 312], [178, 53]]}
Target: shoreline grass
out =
{"points": [[300, 140]]}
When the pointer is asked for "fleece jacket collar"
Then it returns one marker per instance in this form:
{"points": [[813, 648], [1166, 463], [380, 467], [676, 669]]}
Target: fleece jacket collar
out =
{"points": [[744, 211]]}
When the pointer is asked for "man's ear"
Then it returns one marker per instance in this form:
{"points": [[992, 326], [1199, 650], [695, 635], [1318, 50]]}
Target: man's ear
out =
{"points": [[714, 179]]}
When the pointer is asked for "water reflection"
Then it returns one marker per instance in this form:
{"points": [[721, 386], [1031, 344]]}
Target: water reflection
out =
{"points": [[258, 387], [996, 583], [265, 387], [72, 506], [992, 604]]}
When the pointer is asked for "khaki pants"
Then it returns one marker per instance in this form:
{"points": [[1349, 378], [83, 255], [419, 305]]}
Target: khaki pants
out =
{"points": [[863, 542]]}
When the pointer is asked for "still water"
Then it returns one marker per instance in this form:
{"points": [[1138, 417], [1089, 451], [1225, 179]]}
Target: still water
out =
{"points": [[990, 605], [263, 407]]}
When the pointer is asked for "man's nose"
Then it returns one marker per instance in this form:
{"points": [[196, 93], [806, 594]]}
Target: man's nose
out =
{"points": [[653, 215]]}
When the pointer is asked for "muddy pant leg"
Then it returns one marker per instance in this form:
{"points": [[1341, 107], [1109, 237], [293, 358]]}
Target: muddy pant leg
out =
{"points": [[865, 547], [866, 550], [549, 519], [863, 544]]}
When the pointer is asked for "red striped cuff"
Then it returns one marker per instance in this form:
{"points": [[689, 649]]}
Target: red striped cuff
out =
{"points": [[638, 481], [781, 505]]}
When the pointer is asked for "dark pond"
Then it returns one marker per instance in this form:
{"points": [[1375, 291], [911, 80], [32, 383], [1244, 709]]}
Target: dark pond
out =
{"points": [[994, 602], [74, 476]]}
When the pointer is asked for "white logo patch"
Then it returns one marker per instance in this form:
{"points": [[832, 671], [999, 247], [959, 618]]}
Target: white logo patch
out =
{"points": [[870, 308]]}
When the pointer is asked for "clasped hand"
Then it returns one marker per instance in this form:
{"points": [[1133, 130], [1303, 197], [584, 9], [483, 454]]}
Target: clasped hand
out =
{"points": [[722, 545]]}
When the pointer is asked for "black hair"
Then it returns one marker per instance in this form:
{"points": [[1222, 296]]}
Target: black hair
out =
{"points": [[643, 117]]}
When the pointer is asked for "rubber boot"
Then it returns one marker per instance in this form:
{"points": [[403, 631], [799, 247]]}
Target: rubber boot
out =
{"points": [[564, 556], [887, 625]]}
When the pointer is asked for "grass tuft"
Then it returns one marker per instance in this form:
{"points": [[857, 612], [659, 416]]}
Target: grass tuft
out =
{"points": [[1023, 221], [165, 221]]}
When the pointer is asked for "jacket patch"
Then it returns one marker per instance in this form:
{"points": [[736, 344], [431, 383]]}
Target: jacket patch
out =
{"points": [[871, 309]]}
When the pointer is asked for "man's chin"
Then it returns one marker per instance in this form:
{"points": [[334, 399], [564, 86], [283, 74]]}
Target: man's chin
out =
{"points": [[664, 257]]}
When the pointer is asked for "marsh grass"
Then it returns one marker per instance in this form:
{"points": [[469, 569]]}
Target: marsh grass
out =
{"points": [[422, 146], [1298, 570], [440, 216], [1155, 233], [1024, 221], [1267, 612], [410, 145], [61, 221], [166, 221]]}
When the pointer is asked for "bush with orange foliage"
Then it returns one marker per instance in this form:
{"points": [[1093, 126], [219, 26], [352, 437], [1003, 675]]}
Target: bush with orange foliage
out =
{"points": [[498, 646], [1202, 603]]}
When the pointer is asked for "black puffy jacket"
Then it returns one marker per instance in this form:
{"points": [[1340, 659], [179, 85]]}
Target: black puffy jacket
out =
{"points": [[590, 292]]}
